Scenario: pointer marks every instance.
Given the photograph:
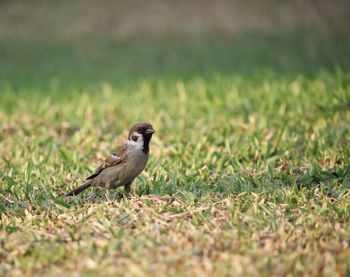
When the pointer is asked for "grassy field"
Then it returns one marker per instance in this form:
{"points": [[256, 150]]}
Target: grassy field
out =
{"points": [[249, 170]]}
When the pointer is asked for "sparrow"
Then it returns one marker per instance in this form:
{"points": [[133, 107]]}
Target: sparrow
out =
{"points": [[124, 165]]}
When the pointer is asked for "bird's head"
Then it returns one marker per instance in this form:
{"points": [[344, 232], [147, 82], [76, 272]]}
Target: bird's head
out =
{"points": [[140, 134]]}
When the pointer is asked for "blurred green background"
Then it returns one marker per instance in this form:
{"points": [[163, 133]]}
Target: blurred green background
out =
{"points": [[86, 43]]}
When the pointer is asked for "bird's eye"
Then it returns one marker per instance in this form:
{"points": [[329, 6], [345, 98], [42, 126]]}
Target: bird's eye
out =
{"points": [[134, 138]]}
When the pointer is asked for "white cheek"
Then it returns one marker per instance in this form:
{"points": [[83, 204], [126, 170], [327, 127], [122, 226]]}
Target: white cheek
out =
{"points": [[136, 144]]}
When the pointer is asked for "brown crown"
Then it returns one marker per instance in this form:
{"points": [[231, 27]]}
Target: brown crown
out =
{"points": [[141, 128]]}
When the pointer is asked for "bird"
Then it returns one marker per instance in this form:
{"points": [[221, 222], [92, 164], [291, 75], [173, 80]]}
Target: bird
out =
{"points": [[124, 165]]}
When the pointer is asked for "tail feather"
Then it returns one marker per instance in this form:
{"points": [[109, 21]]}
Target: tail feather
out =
{"points": [[79, 189]]}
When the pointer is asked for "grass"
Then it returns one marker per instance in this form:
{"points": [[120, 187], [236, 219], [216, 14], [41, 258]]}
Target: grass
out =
{"points": [[249, 171]]}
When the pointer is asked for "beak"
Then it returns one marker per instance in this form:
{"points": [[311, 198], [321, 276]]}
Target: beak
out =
{"points": [[149, 131]]}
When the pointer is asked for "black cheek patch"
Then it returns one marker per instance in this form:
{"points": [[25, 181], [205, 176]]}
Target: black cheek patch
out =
{"points": [[134, 138]]}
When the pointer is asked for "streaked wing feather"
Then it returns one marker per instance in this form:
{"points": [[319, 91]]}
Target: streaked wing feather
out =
{"points": [[114, 159]]}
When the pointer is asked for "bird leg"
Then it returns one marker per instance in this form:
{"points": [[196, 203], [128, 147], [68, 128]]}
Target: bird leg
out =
{"points": [[127, 189]]}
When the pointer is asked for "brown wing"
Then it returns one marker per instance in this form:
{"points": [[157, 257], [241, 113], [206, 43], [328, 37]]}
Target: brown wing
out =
{"points": [[115, 158]]}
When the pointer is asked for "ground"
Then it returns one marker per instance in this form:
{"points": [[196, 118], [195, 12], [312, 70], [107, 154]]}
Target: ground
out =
{"points": [[249, 170]]}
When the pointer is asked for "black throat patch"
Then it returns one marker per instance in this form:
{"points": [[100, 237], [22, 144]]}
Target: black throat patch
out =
{"points": [[146, 141]]}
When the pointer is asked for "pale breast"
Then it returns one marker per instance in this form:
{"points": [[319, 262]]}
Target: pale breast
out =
{"points": [[136, 161]]}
